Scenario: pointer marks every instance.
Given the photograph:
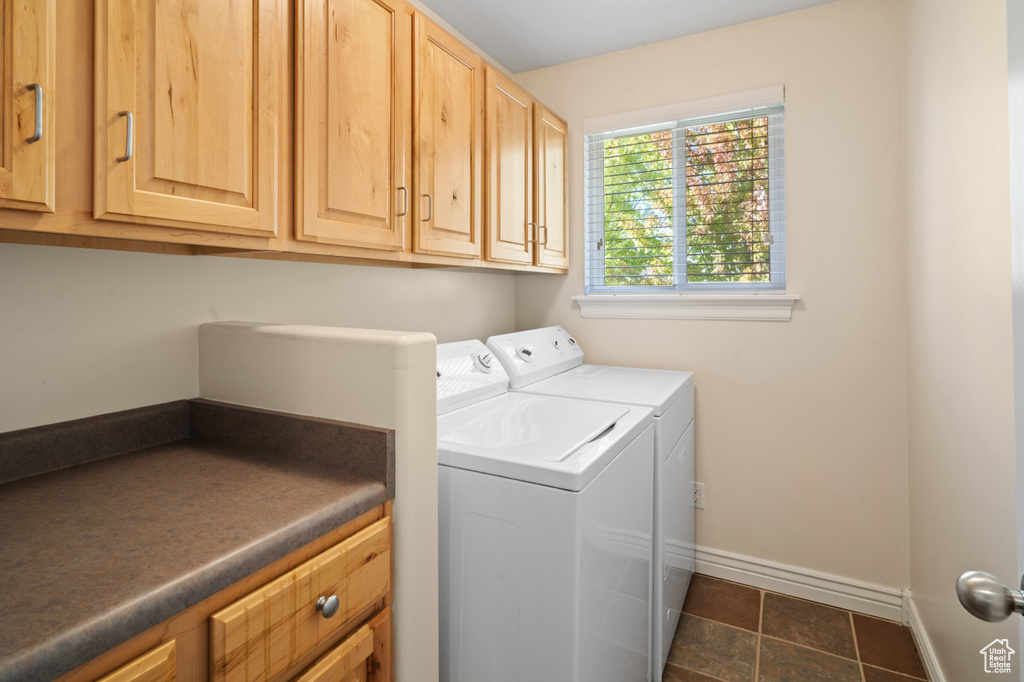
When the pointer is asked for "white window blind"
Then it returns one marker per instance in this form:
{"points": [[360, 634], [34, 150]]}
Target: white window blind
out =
{"points": [[691, 204]]}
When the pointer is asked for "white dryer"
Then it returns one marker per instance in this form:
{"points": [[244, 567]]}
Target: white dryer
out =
{"points": [[545, 527], [549, 362]]}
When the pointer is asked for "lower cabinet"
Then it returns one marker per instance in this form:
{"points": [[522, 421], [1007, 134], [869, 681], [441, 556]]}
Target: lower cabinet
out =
{"points": [[154, 666], [365, 655], [321, 613], [278, 626]]}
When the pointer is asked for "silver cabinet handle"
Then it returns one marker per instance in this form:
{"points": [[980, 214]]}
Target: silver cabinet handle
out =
{"points": [[545, 228], [39, 113], [405, 201], [531, 233], [985, 597], [327, 606], [430, 214], [129, 136]]}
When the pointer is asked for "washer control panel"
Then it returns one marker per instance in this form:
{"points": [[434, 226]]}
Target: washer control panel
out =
{"points": [[467, 372], [524, 353], [535, 354]]}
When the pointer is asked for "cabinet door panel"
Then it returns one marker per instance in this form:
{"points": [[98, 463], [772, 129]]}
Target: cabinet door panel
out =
{"points": [[27, 58], [194, 92], [509, 170], [347, 662], [351, 107], [550, 188], [448, 119], [199, 78], [157, 665], [363, 656]]}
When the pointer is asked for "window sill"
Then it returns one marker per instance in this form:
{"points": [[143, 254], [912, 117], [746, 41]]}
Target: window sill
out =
{"points": [[761, 307]]}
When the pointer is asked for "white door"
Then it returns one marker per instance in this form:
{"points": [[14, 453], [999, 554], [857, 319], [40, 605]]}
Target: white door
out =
{"points": [[1015, 49], [983, 595]]}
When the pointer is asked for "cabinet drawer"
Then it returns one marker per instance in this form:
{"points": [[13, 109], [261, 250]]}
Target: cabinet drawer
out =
{"points": [[266, 632], [347, 661], [363, 656], [154, 666]]}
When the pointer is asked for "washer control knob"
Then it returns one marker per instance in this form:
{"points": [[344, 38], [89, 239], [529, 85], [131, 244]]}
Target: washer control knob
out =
{"points": [[483, 361], [572, 341], [556, 344], [525, 353]]}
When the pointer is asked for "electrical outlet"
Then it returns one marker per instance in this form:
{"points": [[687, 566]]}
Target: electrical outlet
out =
{"points": [[698, 495]]}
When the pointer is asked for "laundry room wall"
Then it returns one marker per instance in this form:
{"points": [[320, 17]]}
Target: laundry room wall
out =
{"points": [[801, 425], [85, 332], [962, 469]]}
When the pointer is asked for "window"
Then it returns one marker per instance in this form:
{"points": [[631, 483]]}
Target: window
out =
{"points": [[693, 203]]}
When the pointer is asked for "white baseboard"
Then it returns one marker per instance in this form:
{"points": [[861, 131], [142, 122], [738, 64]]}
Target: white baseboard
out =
{"points": [[924, 644], [844, 593], [834, 590]]}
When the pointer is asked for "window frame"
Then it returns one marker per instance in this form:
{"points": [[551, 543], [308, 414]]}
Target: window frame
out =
{"points": [[768, 102]]}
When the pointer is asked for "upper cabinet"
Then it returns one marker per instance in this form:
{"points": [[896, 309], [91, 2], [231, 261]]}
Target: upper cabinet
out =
{"points": [[369, 135], [550, 186], [448, 84], [28, 38], [509, 166], [352, 113], [186, 127], [526, 180]]}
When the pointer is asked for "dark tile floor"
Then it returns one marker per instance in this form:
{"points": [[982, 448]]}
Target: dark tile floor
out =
{"points": [[735, 633]]}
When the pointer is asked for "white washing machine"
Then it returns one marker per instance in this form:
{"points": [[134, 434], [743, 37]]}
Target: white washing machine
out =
{"points": [[549, 362], [545, 530]]}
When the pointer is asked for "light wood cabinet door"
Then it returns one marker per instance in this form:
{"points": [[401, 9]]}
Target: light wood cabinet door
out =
{"points": [[352, 115], [263, 634], [448, 123], [187, 113], [509, 177], [157, 665], [550, 186], [363, 656], [347, 662], [27, 64]]}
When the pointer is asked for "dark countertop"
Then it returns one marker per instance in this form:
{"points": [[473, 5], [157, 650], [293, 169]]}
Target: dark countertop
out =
{"points": [[97, 553]]}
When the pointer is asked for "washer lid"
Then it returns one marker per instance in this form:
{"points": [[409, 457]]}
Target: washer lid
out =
{"points": [[539, 439], [654, 388]]}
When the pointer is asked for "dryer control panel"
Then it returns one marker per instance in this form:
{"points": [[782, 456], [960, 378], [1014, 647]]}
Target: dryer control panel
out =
{"points": [[536, 354]]}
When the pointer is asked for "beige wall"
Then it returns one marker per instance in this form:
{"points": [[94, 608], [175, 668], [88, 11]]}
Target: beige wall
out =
{"points": [[961, 445], [801, 436], [86, 332]]}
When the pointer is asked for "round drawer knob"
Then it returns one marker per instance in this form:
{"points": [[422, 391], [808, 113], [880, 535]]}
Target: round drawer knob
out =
{"points": [[328, 606]]}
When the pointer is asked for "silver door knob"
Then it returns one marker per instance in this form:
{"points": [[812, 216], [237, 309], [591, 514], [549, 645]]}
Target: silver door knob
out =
{"points": [[327, 606], [985, 597]]}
